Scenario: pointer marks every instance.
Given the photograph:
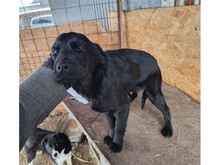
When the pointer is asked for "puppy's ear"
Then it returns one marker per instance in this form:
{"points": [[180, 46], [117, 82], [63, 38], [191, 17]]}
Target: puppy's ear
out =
{"points": [[58, 136], [100, 55], [44, 141], [65, 142]]}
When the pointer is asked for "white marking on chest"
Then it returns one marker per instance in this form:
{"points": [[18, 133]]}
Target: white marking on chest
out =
{"points": [[59, 158]]}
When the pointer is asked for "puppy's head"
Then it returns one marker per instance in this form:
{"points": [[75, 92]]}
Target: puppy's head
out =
{"points": [[74, 56], [56, 143]]}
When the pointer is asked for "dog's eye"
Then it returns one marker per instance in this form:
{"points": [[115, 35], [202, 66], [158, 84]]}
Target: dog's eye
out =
{"points": [[80, 48], [54, 51]]}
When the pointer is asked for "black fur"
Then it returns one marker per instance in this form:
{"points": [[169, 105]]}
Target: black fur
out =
{"points": [[109, 80]]}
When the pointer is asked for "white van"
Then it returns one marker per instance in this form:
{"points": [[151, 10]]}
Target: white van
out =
{"points": [[42, 20]]}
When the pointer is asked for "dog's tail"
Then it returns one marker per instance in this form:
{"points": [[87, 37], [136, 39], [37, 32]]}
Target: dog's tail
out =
{"points": [[143, 99], [132, 95]]}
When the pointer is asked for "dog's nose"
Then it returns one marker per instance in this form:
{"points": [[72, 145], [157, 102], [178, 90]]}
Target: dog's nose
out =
{"points": [[62, 67], [55, 155]]}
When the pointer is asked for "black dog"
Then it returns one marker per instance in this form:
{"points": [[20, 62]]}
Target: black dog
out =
{"points": [[57, 145], [109, 80]]}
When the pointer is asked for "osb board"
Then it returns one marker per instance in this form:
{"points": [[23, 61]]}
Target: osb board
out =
{"points": [[35, 44], [172, 35]]}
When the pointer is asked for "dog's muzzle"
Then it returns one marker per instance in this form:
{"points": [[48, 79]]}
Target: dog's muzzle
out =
{"points": [[62, 68]]}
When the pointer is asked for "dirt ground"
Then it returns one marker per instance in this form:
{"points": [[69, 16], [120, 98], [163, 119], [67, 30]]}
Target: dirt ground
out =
{"points": [[143, 142]]}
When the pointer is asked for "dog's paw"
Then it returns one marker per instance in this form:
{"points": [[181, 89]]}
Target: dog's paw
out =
{"points": [[167, 131], [108, 140], [115, 147]]}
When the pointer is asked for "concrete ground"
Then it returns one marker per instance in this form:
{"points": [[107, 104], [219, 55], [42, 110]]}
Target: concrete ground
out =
{"points": [[143, 143]]}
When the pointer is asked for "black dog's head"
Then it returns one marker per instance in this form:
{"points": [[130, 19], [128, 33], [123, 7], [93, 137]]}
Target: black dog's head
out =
{"points": [[74, 56]]}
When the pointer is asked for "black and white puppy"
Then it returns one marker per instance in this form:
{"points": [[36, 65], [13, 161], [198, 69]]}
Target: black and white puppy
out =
{"points": [[57, 145]]}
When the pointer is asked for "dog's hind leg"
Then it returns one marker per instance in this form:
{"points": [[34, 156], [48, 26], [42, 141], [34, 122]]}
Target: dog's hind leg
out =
{"points": [[30, 152], [30, 157], [155, 95], [31, 163]]}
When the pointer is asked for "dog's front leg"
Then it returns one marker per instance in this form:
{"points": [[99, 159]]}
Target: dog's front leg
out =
{"points": [[120, 127], [111, 122], [68, 158]]}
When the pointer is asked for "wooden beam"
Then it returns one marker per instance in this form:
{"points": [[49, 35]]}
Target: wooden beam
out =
{"points": [[177, 3], [119, 22], [188, 2]]}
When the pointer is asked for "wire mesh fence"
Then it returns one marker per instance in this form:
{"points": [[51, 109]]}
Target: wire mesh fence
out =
{"points": [[43, 20]]}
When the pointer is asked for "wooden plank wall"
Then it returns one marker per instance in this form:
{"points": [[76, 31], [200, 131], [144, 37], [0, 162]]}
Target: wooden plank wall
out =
{"points": [[172, 35]]}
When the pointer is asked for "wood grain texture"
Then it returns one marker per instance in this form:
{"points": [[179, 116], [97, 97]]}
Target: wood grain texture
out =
{"points": [[172, 35]]}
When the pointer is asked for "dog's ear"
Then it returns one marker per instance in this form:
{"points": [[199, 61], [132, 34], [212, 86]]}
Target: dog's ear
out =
{"points": [[100, 55], [59, 137], [44, 141], [63, 139]]}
